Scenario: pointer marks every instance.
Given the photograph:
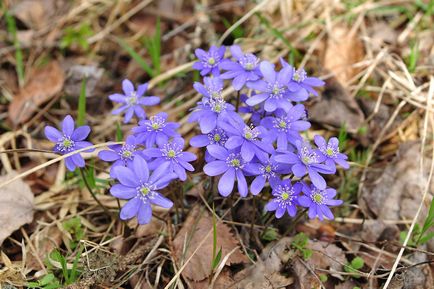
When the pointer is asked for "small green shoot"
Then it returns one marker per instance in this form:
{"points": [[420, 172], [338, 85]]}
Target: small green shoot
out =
{"points": [[238, 32], [153, 45], [343, 137], [323, 278], [70, 276], [75, 228], [413, 57], [119, 134], [270, 234], [354, 266], [81, 118], [12, 30], [48, 281], [215, 257], [300, 242], [426, 235], [77, 36], [134, 55]]}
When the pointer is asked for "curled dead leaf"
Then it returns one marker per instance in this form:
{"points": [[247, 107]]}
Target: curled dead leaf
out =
{"points": [[43, 84], [16, 206]]}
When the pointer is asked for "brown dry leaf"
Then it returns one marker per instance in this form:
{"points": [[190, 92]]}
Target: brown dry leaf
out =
{"points": [[43, 84], [343, 49], [16, 206], [195, 228], [35, 13], [44, 241], [336, 107]]}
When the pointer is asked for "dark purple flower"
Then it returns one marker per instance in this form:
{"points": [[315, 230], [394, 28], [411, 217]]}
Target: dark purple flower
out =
{"points": [[133, 101], [68, 140], [230, 164], [306, 161], [285, 126], [121, 155], [212, 87], [318, 201], [257, 112], [140, 188], [209, 112], [273, 91], [300, 82], [247, 139], [155, 130], [209, 61], [172, 154], [244, 69], [269, 170], [285, 199], [331, 152]]}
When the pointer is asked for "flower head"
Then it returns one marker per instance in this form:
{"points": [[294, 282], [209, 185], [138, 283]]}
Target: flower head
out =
{"points": [[273, 90], [137, 185], [69, 140], [209, 60], [133, 100], [285, 199], [155, 130], [121, 155], [172, 155], [331, 152], [231, 165], [246, 68], [212, 87], [318, 201], [216, 136]]}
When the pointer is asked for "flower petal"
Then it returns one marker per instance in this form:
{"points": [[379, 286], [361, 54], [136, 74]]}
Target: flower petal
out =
{"points": [[53, 134], [242, 184], [215, 168], [126, 177], [123, 192], [68, 125], [144, 215], [141, 169], [226, 183], [130, 209], [161, 201], [127, 87], [80, 133]]}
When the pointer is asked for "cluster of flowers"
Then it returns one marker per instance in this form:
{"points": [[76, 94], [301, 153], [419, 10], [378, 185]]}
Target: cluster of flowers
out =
{"points": [[269, 149], [269, 146]]}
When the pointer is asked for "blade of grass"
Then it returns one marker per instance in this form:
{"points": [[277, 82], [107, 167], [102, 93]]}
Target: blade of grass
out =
{"points": [[134, 55], [12, 30], [81, 118]]}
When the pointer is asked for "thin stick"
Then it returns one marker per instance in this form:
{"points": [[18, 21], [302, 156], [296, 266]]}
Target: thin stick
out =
{"points": [[26, 150]]}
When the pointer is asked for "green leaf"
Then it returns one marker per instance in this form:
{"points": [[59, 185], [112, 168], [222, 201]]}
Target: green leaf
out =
{"points": [[357, 263], [81, 118], [270, 234], [216, 260], [134, 55], [307, 253], [119, 135], [47, 279], [12, 30]]}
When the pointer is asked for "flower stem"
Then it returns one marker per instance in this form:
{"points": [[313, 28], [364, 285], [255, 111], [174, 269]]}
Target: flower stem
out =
{"points": [[92, 192], [238, 101], [299, 215]]}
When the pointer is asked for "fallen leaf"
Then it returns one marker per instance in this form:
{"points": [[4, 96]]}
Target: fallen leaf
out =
{"points": [[75, 75], [44, 241], [343, 49], [336, 107], [16, 206], [43, 84], [195, 228]]}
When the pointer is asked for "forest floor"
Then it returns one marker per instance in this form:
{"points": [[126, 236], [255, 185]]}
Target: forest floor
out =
{"points": [[377, 59]]}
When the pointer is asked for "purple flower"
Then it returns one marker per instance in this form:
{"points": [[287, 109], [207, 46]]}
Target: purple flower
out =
{"points": [[285, 199], [318, 201], [307, 160], [285, 126], [244, 69], [273, 91], [247, 138], [68, 140], [132, 100], [331, 152], [300, 82], [209, 61], [121, 155], [216, 136], [269, 170], [230, 164], [212, 89], [209, 112], [137, 186], [172, 155], [155, 130]]}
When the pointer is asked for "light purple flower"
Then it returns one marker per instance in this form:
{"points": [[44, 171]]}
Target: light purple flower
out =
{"points": [[301, 83], [257, 112], [69, 140], [331, 152], [212, 87], [306, 161], [244, 69], [121, 155], [172, 155], [209, 61], [155, 130], [231, 165], [318, 201], [210, 112], [137, 185], [269, 170], [133, 101], [216, 136], [285, 199], [285, 126], [272, 90], [247, 139]]}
